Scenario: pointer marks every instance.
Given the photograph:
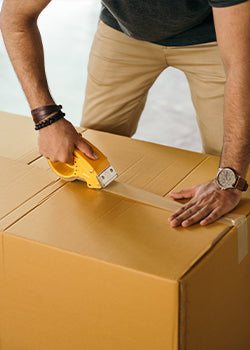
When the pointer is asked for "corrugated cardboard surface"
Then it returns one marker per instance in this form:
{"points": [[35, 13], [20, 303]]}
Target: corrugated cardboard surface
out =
{"points": [[215, 298], [145, 165], [218, 285], [19, 183], [116, 230], [70, 301], [84, 269]]}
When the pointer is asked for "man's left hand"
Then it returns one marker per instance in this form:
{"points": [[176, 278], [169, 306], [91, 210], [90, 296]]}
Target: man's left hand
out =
{"points": [[208, 204]]}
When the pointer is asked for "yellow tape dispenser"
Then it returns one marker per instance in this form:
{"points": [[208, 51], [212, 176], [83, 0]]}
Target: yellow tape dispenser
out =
{"points": [[97, 173]]}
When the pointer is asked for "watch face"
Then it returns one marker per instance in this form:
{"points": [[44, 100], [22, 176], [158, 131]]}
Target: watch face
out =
{"points": [[226, 178]]}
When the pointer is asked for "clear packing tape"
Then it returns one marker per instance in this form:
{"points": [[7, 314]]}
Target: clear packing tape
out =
{"points": [[147, 198], [240, 222]]}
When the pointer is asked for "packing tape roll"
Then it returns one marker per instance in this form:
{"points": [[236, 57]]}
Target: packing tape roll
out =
{"points": [[141, 196]]}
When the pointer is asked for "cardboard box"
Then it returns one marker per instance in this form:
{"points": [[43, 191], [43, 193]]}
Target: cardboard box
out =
{"points": [[85, 269]]}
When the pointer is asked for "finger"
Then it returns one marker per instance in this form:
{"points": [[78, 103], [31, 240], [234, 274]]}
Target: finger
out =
{"points": [[185, 193], [214, 215], [181, 210], [70, 159], [187, 213], [198, 216], [66, 159], [86, 149]]}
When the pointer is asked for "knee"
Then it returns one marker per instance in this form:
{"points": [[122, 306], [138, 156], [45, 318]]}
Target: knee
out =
{"points": [[122, 128]]}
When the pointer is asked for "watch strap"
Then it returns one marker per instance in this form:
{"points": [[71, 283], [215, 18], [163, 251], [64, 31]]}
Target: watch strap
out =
{"points": [[241, 184]]}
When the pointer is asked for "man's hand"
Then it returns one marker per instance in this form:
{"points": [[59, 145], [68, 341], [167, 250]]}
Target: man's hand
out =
{"points": [[58, 141], [208, 204]]}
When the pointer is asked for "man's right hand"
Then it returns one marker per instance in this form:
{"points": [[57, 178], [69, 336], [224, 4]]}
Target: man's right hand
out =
{"points": [[58, 141]]}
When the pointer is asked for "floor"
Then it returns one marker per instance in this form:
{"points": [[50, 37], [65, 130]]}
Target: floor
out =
{"points": [[67, 29]]}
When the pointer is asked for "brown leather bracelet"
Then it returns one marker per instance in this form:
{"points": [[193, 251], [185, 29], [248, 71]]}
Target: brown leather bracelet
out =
{"points": [[48, 121], [41, 113]]}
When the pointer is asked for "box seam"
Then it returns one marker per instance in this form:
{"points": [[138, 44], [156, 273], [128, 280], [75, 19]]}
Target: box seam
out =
{"points": [[88, 257], [181, 328], [35, 195], [212, 245], [186, 175]]}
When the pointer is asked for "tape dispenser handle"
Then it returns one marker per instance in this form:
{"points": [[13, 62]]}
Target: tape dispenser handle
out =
{"points": [[63, 170], [70, 172]]}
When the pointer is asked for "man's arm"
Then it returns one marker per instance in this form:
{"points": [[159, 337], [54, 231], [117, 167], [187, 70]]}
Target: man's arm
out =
{"points": [[233, 36], [208, 202], [23, 42]]}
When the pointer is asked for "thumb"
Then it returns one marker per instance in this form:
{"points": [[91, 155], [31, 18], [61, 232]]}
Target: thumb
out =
{"points": [[84, 147], [185, 193]]}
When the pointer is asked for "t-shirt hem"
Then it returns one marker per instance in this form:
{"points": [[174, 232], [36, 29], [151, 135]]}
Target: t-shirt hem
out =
{"points": [[225, 3], [166, 42]]}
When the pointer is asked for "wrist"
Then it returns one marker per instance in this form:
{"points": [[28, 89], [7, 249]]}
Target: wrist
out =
{"points": [[46, 115], [239, 169], [42, 112], [235, 157]]}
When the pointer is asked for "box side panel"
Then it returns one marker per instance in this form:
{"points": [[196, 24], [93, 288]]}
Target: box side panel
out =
{"points": [[54, 299], [216, 300]]}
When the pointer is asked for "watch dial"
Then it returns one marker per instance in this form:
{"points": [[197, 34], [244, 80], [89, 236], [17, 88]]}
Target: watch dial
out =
{"points": [[226, 178]]}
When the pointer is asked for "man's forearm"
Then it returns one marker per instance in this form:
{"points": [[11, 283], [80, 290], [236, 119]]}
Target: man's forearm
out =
{"points": [[24, 45], [236, 149], [58, 140], [233, 35]]}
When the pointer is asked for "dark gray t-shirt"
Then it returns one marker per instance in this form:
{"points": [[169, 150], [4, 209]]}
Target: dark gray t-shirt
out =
{"points": [[164, 22]]}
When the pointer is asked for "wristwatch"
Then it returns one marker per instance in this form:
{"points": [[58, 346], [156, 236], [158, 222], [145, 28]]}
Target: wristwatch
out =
{"points": [[228, 178]]}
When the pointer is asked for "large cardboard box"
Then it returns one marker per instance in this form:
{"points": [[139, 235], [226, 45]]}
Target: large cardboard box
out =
{"points": [[86, 269]]}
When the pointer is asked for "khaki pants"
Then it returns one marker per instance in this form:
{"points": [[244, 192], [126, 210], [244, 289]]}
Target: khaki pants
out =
{"points": [[121, 70]]}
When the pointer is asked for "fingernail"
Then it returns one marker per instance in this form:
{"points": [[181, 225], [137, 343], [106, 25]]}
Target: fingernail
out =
{"points": [[174, 222]]}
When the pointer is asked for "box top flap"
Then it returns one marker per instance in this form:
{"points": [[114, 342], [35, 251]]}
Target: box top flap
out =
{"points": [[117, 230], [20, 182], [149, 166]]}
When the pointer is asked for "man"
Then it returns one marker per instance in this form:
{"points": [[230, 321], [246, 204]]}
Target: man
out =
{"points": [[135, 41]]}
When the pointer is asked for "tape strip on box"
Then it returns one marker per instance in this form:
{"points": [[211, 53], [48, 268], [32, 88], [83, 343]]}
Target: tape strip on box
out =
{"points": [[240, 222], [151, 199]]}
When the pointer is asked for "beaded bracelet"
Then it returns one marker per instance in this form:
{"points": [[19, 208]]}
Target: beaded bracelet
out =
{"points": [[41, 113], [49, 121]]}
